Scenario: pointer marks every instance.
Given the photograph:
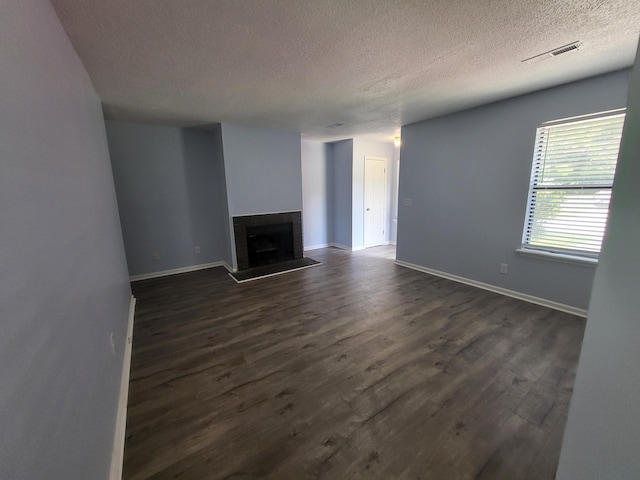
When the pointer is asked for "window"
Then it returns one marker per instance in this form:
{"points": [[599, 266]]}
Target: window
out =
{"points": [[574, 164]]}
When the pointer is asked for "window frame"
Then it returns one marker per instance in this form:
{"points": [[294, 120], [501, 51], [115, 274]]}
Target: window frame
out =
{"points": [[538, 164]]}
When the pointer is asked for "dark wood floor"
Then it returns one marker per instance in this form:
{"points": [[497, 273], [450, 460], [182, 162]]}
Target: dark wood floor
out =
{"points": [[354, 369]]}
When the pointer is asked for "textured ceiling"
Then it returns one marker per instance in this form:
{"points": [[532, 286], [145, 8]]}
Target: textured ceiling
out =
{"points": [[300, 65]]}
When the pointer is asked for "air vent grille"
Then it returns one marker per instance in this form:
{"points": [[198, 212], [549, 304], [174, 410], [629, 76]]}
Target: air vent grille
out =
{"points": [[553, 53], [565, 49], [334, 125]]}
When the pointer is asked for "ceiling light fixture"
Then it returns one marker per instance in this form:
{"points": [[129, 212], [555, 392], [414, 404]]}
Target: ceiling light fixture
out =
{"points": [[396, 141]]}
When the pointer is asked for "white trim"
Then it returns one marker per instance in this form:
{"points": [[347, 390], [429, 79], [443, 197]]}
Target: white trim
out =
{"points": [[117, 455], [584, 118], [316, 247], [228, 267], [274, 274], [175, 271], [336, 245], [502, 291], [558, 257], [364, 197]]}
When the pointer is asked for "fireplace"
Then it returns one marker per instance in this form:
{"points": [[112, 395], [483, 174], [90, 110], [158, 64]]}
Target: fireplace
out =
{"points": [[267, 239]]}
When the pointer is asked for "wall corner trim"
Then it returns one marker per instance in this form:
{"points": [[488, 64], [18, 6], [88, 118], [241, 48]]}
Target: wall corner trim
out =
{"points": [[175, 271], [502, 291], [340, 246], [316, 247], [117, 456]]}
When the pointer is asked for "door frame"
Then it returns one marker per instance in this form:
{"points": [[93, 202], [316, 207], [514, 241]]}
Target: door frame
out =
{"points": [[384, 200]]}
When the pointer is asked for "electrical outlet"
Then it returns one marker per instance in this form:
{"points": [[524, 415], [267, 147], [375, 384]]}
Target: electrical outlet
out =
{"points": [[504, 268], [197, 250], [156, 256], [407, 202]]}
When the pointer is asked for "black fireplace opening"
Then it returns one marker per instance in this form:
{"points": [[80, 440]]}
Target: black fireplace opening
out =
{"points": [[268, 244], [267, 239]]}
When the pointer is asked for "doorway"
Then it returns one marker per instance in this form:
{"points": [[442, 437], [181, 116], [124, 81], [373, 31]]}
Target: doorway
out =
{"points": [[375, 186]]}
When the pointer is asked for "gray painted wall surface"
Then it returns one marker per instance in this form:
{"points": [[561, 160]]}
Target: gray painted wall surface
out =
{"points": [[342, 165], [220, 187], [317, 215], [602, 435], [362, 149], [263, 170], [169, 189], [63, 283], [467, 175]]}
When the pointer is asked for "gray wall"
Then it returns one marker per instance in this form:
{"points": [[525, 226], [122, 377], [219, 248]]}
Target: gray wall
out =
{"points": [[362, 149], [222, 203], [170, 195], [317, 194], [342, 178], [63, 278], [263, 170], [467, 175], [602, 435]]}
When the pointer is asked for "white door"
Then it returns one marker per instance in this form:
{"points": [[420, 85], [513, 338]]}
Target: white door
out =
{"points": [[375, 183]]}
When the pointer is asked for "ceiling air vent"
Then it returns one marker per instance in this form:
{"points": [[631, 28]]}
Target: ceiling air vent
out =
{"points": [[553, 53], [334, 125]]}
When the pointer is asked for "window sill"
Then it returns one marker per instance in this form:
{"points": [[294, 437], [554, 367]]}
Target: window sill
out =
{"points": [[558, 257]]}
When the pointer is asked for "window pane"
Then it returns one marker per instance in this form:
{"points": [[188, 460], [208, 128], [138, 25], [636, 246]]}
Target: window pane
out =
{"points": [[573, 170], [569, 219]]}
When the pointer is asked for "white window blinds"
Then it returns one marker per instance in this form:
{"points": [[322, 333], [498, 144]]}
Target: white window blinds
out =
{"points": [[574, 164]]}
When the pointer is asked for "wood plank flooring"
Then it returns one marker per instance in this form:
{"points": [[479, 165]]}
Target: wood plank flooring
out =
{"points": [[354, 369]]}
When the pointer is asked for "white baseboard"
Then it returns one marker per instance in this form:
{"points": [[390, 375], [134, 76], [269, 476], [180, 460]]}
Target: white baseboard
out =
{"points": [[117, 456], [345, 247], [175, 271], [502, 291], [336, 245], [228, 267], [339, 245], [316, 247]]}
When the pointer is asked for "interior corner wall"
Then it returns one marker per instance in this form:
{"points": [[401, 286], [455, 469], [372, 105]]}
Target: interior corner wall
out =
{"points": [[317, 214], [467, 175], [64, 286], [222, 202], [169, 187], [361, 150], [342, 170], [602, 435]]}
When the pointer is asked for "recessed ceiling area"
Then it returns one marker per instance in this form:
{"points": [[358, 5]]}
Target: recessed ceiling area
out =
{"points": [[370, 65]]}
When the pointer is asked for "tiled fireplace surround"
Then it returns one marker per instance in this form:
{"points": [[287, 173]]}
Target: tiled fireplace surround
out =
{"points": [[241, 223]]}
